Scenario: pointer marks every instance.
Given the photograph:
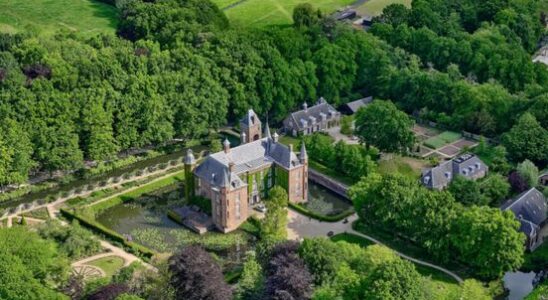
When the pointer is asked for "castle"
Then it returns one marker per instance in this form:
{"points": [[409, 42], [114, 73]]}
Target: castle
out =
{"points": [[236, 179]]}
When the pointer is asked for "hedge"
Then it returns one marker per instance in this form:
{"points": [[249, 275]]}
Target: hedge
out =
{"points": [[334, 218], [110, 234]]}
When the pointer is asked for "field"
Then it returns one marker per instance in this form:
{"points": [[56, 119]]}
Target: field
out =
{"points": [[110, 264], [375, 7], [408, 166], [444, 138], [48, 16], [259, 13]]}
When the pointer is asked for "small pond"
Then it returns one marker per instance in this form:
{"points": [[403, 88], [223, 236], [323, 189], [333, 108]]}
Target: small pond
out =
{"points": [[519, 284], [324, 202], [145, 221]]}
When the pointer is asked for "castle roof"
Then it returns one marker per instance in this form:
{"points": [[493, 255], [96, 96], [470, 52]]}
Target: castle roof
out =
{"points": [[310, 115], [245, 158]]}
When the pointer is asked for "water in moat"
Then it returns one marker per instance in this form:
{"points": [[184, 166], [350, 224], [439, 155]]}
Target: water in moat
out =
{"points": [[324, 202], [145, 220]]}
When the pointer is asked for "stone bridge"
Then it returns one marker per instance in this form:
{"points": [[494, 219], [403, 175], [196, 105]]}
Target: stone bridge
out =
{"points": [[328, 183]]}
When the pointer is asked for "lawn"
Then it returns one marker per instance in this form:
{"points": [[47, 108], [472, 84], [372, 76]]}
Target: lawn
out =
{"points": [[48, 16], [443, 285], [410, 167], [258, 13], [375, 7], [442, 139], [536, 260], [109, 264]]}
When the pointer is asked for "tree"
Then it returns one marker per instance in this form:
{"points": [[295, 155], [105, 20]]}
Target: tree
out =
{"points": [[527, 140], [109, 292], [529, 172], [274, 225], [287, 275], [15, 153], [322, 258], [196, 276], [467, 191], [382, 125], [517, 182], [394, 14], [495, 188], [304, 15], [488, 240], [397, 279], [346, 125], [251, 283]]}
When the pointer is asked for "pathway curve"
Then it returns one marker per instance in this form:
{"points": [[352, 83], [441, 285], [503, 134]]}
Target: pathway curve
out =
{"points": [[301, 226]]}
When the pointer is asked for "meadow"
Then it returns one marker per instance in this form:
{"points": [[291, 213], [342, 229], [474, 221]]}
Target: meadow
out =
{"points": [[375, 7], [48, 16], [258, 13]]}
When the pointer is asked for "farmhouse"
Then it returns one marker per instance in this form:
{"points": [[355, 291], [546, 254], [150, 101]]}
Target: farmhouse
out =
{"points": [[467, 165], [312, 119], [530, 209], [236, 179]]}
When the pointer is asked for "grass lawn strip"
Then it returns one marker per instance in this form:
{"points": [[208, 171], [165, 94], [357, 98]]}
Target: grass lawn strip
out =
{"points": [[47, 17], [450, 136], [110, 264], [137, 191], [375, 7], [258, 13], [444, 285]]}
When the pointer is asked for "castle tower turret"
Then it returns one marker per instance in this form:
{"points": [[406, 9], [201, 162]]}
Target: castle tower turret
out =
{"points": [[250, 127]]}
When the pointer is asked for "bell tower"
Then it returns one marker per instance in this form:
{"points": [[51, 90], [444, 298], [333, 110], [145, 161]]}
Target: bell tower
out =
{"points": [[250, 127]]}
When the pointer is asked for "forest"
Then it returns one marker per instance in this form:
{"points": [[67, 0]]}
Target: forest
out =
{"points": [[177, 69]]}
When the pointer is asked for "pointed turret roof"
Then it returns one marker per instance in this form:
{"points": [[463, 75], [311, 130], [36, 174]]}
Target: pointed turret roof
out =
{"points": [[267, 131], [303, 155]]}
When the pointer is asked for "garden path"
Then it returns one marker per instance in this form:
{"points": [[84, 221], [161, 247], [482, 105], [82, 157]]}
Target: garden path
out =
{"points": [[301, 226]]}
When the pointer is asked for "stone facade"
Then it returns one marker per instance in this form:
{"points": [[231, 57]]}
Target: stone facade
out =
{"points": [[466, 165], [312, 119], [236, 179]]}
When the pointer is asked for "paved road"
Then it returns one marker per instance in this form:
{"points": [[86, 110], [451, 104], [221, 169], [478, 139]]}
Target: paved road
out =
{"points": [[301, 226]]}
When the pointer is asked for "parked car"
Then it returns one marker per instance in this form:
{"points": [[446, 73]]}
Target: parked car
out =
{"points": [[261, 208]]}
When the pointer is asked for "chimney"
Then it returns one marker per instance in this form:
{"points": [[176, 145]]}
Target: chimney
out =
{"points": [[275, 137], [226, 145], [231, 166], [243, 137], [305, 106]]}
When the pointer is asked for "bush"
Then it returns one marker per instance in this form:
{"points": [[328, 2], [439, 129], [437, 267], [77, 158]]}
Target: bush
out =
{"points": [[334, 218], [110, 234]]}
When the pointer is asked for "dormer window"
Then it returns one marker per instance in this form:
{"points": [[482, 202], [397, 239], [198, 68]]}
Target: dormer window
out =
{"points": [[426, 179], [477, 165], [448, 175], [465, 172]]}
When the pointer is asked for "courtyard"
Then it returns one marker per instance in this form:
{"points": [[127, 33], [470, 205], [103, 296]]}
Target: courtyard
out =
{"points": [[433, 142]]}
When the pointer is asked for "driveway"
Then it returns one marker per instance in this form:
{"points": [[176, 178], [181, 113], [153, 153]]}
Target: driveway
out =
{"points": [[335, 133]]}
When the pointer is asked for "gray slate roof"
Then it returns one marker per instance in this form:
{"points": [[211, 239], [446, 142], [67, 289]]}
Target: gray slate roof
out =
{"points": [[303, 118], [529, 206], [355, 105], [466, 165], [246, 157], [250, 118]]}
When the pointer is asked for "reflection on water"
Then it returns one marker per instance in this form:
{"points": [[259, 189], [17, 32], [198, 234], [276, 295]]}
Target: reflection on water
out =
{"points": [[324, 202], [519, 284]]}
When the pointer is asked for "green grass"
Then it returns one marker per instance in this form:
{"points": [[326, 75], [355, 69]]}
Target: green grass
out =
{"points": [[443, 284], [110, 264], [258, 13], [407, 247], [352, 238], [536, 260], [41, 213], [286, 140], [375, 7], [442, 139], [147, 188], [222, 4], [333, 174], [539, 293], [410, 167], [48, 16]]}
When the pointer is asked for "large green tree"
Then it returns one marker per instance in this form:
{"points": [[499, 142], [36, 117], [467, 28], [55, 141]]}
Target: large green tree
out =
{"points": [[527, 140], [15, 153], [382, 125]]}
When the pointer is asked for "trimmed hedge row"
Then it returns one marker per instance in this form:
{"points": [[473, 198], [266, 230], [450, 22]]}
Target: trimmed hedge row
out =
{"points": [[334, 218], [134, 248]]}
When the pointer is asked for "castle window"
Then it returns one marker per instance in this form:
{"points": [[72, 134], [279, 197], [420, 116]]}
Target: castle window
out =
{"points": [[238, 213]]}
